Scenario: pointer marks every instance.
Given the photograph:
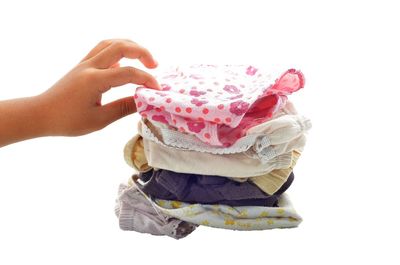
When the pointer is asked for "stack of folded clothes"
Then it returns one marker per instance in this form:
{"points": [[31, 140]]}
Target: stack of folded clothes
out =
{"points": [[216, 147]]}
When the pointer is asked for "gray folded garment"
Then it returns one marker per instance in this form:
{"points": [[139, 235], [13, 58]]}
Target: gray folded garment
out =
{"points": [[136, 213]]}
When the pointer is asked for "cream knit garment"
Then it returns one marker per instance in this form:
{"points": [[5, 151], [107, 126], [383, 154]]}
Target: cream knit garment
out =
{"points": [[269, 182]]}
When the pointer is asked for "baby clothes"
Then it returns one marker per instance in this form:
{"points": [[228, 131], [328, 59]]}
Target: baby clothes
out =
{"points": [[230, 165], [136, 213], [169, 185], [269, 182], [234, 218], [160, 155], [216, 146], [217, 104], [264, 141], [284, 126], [137, 156]]}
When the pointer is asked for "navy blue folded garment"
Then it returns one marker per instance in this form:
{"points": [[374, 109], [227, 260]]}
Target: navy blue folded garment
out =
{"points": [[204, 189]]}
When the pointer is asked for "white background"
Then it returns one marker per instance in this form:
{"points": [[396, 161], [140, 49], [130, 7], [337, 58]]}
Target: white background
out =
{"points": [[57, 194]]}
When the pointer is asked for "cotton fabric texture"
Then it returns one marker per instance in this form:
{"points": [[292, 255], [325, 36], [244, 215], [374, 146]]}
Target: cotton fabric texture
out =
{"points": [[136, 213], [261, 140], [230, 165], [192, 188], [216, 146], [217, 104], [269, 182], [233, 218]]}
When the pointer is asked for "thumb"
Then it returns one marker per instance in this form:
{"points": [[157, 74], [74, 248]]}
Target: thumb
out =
{"points": [[117, 109]]}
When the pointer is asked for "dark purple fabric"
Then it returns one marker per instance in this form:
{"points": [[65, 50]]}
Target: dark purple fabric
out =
{"points": [[204, 189], [285, 185]]}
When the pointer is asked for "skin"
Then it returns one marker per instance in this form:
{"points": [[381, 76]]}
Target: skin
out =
{"points": [[72, 106]]}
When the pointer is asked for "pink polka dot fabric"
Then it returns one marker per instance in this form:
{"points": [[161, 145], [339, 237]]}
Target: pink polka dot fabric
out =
{"points": [[217, 104]]}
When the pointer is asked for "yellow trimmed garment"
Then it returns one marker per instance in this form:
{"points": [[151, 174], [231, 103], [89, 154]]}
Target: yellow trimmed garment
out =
{"points": [[271, 182], [134, 154], [233, 218]]}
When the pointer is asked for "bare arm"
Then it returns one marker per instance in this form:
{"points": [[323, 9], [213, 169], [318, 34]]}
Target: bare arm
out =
{"points": [[73, 106]]}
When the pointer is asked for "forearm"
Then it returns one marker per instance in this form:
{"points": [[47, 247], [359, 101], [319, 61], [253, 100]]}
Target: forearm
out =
{"points": [[22, 119], [72, 106]]}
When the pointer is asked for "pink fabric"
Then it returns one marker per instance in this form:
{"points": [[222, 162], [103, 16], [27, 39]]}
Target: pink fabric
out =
{"points": [[217, 104]]}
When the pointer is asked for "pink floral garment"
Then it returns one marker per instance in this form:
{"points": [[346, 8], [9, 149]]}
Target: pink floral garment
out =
{"points": [[218, 104]]}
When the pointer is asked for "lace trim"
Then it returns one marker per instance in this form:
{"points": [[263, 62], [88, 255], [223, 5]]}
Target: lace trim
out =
{"points": [[181, 141], [184, 141], [260, 142], [256, 146]]}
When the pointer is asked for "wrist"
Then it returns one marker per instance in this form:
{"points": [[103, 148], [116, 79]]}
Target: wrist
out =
{"points": [[42, 112], [22, 119]]}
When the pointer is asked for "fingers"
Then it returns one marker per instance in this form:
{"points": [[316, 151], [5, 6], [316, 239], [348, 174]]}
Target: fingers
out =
{"points": [[101, 46], [119, 76], [116, 65], [111, 54], [117, 109]]}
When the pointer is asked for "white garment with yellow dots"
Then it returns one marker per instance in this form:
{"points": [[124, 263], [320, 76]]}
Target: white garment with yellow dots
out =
{"points": [[234, 218]]}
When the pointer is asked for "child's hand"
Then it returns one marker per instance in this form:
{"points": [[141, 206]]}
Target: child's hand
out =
{"points": [[73, 105]]}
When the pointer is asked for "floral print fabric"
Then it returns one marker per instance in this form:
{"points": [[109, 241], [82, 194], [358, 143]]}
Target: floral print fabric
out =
{"points": [[217, 104]]}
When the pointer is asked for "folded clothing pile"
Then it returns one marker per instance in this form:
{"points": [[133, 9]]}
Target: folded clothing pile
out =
{"points": [[216, 147]]}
